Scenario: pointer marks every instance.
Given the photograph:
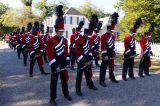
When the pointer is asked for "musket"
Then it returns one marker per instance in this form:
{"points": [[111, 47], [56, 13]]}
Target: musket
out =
{"points": [[35, 57], [59, 70], [109, 58], [88, 63], [130, 57]]}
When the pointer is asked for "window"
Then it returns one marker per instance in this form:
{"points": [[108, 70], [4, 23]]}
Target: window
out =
{"points": [[64, 19], [79, 19], [66, 34], [68, 20]]}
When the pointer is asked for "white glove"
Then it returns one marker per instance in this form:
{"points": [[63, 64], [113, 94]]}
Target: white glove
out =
{"points": [[106, 58], [58, 69]]}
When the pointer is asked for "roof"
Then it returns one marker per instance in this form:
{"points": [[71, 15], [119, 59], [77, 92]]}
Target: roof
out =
{"points": [[105, 21], [72, 11]]}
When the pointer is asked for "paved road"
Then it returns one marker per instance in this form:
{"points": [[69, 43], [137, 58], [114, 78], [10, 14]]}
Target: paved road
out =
{"points": [[18, 89]]}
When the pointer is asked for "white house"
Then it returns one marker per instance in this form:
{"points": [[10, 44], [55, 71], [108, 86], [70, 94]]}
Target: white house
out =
{"points": [[72, 17]]}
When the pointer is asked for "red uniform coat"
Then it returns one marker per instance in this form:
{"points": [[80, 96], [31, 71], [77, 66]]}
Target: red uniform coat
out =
{"points": [[95, 42], [129, 45], [73, 40], [82, 48], [108, 46], [45, 39], [25, 40], [145, 48], [35, 47], [83, 51], [18, 41], [13, 39], [57, 50]]}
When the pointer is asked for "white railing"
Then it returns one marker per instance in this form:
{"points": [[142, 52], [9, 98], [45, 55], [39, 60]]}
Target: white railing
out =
{"points": [[119, 47]]}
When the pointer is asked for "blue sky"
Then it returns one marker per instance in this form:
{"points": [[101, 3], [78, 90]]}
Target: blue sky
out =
{"points": [[106, 5]]}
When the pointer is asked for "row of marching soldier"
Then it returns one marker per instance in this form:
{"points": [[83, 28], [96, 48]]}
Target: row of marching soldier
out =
{"points": [[83, 49]]}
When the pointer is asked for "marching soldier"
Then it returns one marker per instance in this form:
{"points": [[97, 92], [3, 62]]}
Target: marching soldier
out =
{"points": [[43, 37], [73, 41], [18, 42], [108, 52], [47, 36], [84, 59], [95, 43], [36, 50], [146, 52], [129, 53], [25, 43], [72, 48], [13, 41], [57, 51]]}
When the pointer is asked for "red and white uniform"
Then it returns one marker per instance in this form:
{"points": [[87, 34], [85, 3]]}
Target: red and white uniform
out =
{"points": [[83, 49], [18, 41], [25, 40], [73, 40], [13, 39], [35, 47], [95, 42], [129, 45], [108, 45], [57, 50], [45, 39], [145, 47]]}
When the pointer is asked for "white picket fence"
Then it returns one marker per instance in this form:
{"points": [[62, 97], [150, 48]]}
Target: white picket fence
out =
{"points": [[119, 47]]}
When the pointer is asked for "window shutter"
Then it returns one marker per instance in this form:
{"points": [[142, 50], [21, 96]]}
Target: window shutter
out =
{"points": [[77, 20], [64, 19], [71, 20], [66, 34]]}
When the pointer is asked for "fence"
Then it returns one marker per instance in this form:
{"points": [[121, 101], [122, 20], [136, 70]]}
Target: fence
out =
{"points": [[155, 47]]}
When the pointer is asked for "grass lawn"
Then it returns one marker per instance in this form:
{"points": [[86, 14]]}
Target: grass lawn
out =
{"points": [[155, 67]]}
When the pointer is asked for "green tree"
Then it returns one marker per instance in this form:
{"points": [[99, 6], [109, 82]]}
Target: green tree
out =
{"points": [[3, 8], [87, 9], [7, 23], [148, 10], [47, 9], [27, 6]]}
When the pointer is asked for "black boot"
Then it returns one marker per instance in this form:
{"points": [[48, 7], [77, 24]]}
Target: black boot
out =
{"points": [[132, 77], [93, 87], [79, 93], [141, 75], [124, 78], [68, 97], [96, 63], [42, 71], [103, 84], [114, 81], [53, 103]]}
